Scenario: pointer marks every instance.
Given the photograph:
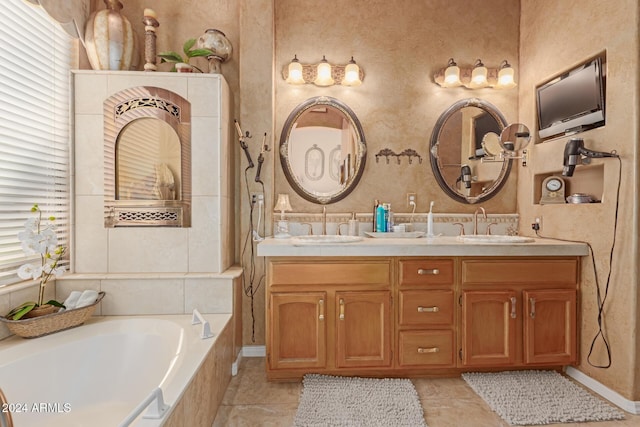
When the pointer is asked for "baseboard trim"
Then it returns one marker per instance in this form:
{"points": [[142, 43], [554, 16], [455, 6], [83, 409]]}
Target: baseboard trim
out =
{"points": [[604, 391], [254, 351]]}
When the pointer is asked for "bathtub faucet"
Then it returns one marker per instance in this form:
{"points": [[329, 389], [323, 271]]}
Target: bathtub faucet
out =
{"points": [[206, 328]]}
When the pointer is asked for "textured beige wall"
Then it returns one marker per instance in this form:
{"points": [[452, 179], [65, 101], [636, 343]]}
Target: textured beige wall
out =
{"points": [[399, 45], [554, 37]]}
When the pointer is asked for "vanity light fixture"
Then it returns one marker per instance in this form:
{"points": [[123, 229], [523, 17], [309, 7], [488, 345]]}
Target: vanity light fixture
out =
{"points": [[476, 77], [282, 225], [323, 73], [295, 72]]}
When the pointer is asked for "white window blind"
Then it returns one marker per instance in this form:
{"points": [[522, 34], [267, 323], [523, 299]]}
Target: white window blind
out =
{"points": [[35, 60]]}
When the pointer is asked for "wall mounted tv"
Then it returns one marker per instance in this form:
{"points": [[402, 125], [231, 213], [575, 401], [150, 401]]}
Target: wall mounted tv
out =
{"points": [[573, 102]]}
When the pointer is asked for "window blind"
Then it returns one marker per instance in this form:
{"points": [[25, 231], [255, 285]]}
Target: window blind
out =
{"points": [[35, 61]]}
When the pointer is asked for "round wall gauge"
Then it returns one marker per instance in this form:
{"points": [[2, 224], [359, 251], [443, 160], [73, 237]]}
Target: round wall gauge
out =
{"points": [[553, 190]]}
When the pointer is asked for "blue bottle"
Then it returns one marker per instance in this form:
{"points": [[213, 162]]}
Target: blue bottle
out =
{"points": [[381, 223]]}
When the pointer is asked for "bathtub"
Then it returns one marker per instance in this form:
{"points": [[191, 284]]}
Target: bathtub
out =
{"points": [[96, 374]]}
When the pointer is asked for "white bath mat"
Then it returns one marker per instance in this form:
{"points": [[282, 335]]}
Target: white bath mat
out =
{"points": [[539, 397], [352, 401]]}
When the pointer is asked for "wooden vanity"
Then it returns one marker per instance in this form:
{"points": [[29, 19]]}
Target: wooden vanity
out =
{"points": [[399, 315]]}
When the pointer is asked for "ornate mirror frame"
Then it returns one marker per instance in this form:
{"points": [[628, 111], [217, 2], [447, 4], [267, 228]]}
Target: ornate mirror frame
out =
{"points": [[351, 180], [434, 147], [123, 109]]}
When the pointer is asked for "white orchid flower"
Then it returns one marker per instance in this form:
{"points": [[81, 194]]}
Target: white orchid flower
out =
{"points": [[31, 224], [26, 235], [49, 239], [29, 271], [59, 271], [33, 246]]}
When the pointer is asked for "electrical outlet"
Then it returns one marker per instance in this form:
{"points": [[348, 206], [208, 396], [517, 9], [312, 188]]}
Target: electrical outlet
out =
{"points": [[411, 197], [257, 196], [537, 224]]}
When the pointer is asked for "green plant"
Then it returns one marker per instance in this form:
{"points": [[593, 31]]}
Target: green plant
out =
{"points": [[189, 52], [39, 238]]}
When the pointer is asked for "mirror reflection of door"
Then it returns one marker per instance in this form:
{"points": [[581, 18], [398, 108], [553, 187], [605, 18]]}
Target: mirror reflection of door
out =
{"points": [[322, 143], [148, 164]]}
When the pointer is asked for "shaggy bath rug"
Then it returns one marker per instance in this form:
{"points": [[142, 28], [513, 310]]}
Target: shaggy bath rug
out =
{"points": [[351, 401], [539, 397]]}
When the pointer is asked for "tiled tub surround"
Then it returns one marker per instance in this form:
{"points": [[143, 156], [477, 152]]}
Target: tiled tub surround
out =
{"points": [[193, 373], [443, 223]]}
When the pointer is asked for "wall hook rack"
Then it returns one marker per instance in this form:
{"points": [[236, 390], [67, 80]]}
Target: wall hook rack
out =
{"points": [[409, 152]]}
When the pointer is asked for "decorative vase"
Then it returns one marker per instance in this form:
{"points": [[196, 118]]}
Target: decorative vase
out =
{"points": [[182, 67], [217, 42], [43, 310], [109, 38]]}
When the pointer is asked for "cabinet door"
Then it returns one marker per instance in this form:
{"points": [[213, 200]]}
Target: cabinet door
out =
{"points": [[489, 328], [297, 330], [550, 327], [363, 329]]}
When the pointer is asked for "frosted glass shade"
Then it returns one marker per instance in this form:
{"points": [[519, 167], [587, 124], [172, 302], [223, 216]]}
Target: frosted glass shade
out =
{"points": [[323, 76], [352, 74], [295, 73], [452, 76], [506, 78]]}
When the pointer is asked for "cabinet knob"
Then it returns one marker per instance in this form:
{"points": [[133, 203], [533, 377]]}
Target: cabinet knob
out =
{"points": [[321, 304], [428, 271], [513, 307], [434, 309], [423, 350], [341, 316]]}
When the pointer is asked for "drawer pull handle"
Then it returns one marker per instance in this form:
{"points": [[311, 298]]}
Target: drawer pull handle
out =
{"points": [[533, 308], [422, 350], [513, 307], [341, 316], [321, 304], [434, 309], [426, 271]]}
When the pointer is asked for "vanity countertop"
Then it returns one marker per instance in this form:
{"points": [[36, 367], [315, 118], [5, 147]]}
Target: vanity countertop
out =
{"points": [[437, 246]]}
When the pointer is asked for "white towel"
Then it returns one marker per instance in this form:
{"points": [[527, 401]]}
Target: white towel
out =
{"points": [[88, 297], [72, 300]]}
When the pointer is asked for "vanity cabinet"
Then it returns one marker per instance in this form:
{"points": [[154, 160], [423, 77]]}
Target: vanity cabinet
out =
{"points": [[423, 315], [517, 312], [324, 316]]}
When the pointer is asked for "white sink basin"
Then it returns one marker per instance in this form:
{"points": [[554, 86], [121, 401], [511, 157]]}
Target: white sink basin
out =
{"points": [[501, 239], [322, 239]]}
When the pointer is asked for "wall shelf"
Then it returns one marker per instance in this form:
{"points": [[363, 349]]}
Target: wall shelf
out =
{"points": [[588, 179]]}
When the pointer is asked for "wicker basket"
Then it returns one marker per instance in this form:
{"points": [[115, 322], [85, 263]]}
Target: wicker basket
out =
{"points": [[50, 323]]}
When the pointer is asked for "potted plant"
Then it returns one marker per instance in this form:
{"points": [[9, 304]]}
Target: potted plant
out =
{"points": [[183, 62], [39, 237]]}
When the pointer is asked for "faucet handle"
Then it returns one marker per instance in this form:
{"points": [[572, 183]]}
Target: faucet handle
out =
{"points": [[461, 228]]}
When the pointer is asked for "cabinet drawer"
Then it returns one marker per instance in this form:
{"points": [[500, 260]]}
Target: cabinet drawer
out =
{"points": [[426, 272], [426, 348], [331, 273], [510, 271], [419, 308]]}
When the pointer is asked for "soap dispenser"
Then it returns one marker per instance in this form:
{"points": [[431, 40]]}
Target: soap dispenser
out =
{"points": [[353, 225], [430, 221]]}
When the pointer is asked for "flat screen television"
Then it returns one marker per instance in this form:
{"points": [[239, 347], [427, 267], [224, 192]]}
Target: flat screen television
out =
{"points": [[572, 102]]}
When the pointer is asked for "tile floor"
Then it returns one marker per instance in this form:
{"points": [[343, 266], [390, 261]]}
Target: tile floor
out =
{"points": [[251, 401]]}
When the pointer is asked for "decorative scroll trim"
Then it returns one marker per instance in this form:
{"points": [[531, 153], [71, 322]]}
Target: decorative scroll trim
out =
{"points": [[147, 102]]}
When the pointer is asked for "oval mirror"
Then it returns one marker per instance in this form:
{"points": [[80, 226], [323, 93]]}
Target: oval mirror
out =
{"points": [[457, 151], [322, 150], [515, 137]]}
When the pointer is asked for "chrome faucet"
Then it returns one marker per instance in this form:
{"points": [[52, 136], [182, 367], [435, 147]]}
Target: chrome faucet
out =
{"points": [[475, 218], [324, 220]]}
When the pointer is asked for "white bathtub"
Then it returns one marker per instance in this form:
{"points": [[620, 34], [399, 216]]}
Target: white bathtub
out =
{"points": [[96, 374]]}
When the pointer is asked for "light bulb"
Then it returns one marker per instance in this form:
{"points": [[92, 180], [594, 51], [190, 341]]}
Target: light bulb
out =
{"points": [[295, 72], [452, 74], [506, 76], [479, 75], [323, 77], [352, 74]]}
